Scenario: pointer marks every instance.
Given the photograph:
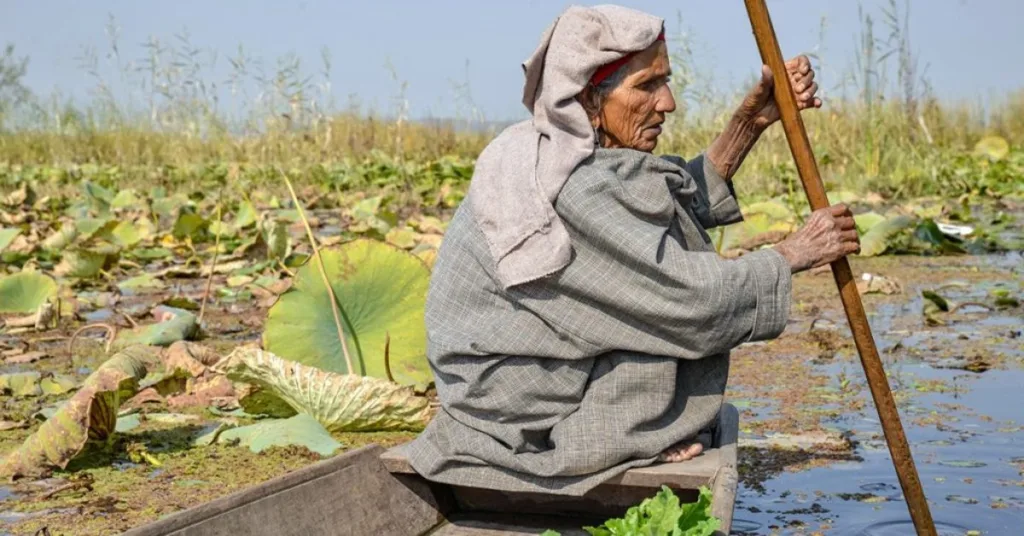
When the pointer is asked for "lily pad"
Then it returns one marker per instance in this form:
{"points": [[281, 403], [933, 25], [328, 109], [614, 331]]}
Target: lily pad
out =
{"points": [[876, 240], [260, 402], [301, 430], [277, 240], [182, 326], [125, 234], [340, 402], [380, 290], [84, 263], [126, 198], [25, 292], [21, 384], [89, 228], [62, 238], [141, 282], [188, 225], [128, 422], [90, 415], [7, 236], [758, 228], [246, 215], [401, 237], [774, 209], [865, 222], [58, 384]]}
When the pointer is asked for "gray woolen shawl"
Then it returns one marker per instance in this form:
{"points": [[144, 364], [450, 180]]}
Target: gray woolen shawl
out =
{"points": [[518, 176], [559, 367]]}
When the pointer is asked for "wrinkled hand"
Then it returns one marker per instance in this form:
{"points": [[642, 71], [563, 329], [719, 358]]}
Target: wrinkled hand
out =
{"points": [[828, 235], [759, 105]]}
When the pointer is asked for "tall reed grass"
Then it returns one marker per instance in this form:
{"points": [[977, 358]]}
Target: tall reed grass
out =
{"points": [[881, 129]]}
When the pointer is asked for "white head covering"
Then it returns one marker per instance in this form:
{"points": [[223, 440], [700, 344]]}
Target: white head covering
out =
{"points": [[519, 174]]}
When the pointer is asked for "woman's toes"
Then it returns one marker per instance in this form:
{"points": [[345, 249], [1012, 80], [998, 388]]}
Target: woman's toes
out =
{"points": [[681, 453]]}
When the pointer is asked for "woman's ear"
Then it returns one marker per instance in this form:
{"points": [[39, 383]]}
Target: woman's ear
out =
{"points": [[591, 102]]}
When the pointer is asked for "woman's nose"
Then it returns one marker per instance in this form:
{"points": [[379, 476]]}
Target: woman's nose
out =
{"points": [[666, 101]]}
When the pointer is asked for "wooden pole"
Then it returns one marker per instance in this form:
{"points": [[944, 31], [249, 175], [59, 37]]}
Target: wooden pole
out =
{"points": [[806, 166]]}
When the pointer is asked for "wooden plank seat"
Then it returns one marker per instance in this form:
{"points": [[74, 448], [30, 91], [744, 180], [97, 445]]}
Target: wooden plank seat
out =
{"points": [[371, 491]]}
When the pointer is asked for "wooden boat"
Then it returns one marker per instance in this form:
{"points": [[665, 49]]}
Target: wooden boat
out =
{"points": [[373, 491]]}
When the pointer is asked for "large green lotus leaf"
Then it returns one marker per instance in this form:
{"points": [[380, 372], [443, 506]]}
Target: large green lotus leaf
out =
{"points": [[301, 430], [24, 292], [876, 241], [340, 402], [7, 236], [91, 414], [380, 289]]}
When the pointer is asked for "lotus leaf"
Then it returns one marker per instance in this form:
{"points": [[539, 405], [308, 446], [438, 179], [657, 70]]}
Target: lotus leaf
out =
{"points": [[21, 384], [876, 240], [181, 326], [85, 263], [141, 282], [7, 236], [62, 238], [401, 237], [340, 402], [91, 414], [865, 222], [380, 290], [301, 430], [24, 292], [126, 199], [188, 225], [246, 215], [125, 234]]}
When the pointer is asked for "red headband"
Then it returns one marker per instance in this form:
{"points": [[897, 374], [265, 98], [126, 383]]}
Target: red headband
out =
{"points": [[606, 70]]}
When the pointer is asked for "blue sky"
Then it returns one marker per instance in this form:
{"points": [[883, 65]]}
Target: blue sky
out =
{"points": [[971, 47]]}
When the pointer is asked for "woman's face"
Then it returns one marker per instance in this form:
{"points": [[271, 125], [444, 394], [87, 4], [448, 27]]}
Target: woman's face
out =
{"points": [[631, 115]]}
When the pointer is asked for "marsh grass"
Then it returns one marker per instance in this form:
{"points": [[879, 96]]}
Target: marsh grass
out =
{"points": [[172, 112]]}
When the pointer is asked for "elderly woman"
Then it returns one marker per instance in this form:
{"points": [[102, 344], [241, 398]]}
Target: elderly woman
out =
{"points": [[579, 319]]}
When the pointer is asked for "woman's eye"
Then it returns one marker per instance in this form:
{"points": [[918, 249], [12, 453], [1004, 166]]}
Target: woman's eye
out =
{"points": [[656, 83]]}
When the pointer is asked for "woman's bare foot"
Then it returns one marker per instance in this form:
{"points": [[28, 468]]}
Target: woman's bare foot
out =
{"points": [[681, 452]]}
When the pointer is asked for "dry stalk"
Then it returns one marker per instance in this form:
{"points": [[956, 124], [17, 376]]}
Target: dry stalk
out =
{"points": [[323, 271], [111, 333], [387, 356], [209, 280]]}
